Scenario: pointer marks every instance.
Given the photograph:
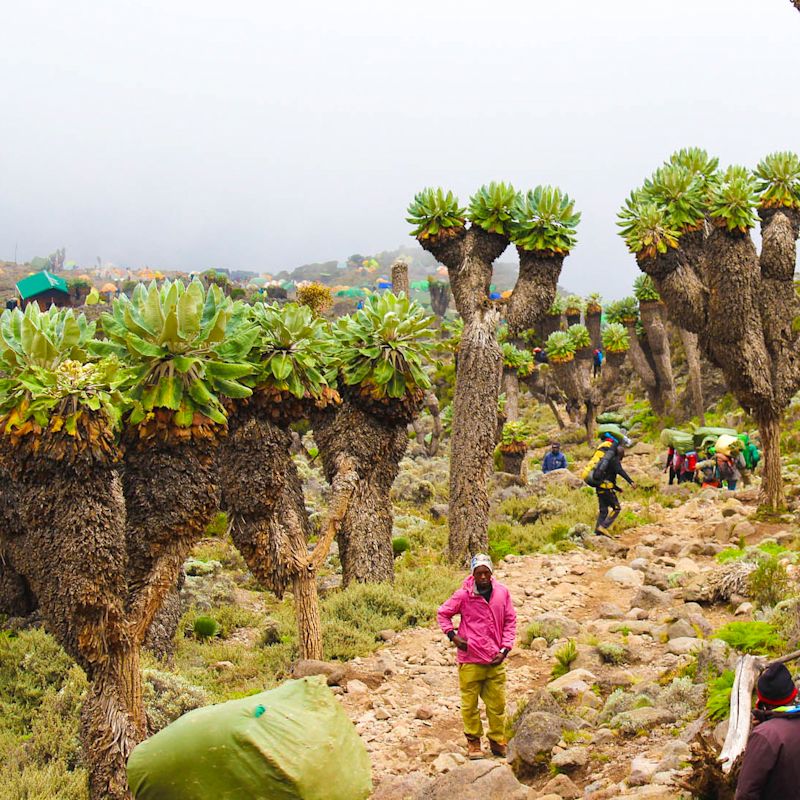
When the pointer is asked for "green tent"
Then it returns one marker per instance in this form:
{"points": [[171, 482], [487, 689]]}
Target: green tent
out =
{"points": [[42, 281], [353, 291], [294, 742]]}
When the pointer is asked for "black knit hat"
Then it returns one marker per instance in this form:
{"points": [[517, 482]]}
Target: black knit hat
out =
{"points": [[775, 686]]}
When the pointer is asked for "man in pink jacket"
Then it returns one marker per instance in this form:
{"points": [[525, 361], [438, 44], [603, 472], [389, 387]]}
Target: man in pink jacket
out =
{"points": [[484, 638]]}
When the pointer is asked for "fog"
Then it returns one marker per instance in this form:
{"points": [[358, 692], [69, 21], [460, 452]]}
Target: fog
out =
{"points": [[263, 136]]}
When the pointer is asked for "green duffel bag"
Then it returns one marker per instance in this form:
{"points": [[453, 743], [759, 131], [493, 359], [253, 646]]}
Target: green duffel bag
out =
{"points": [[612, 428], [680, 440], [294, 742], [610, 417], [701, 434]]}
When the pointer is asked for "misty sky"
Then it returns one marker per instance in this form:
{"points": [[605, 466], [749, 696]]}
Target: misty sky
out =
{"points": [[262, 135]]}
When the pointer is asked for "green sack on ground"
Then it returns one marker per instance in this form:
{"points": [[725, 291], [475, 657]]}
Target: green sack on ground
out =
{"points": [[294, 742]]}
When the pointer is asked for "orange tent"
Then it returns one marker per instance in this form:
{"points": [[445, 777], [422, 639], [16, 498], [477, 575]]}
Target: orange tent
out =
{"points": [[108, 287]]}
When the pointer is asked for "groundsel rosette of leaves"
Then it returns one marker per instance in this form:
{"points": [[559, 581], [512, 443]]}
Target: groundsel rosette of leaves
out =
{"points": [[544, 219], [492, 207], [292, 357], [47, 388], [181, 355], [515, 437], [383, 347], [778, 180], [558, 306], [615, 338], [560, 347], [645, 290], [521, 361], [579, 334], [434, 213]]}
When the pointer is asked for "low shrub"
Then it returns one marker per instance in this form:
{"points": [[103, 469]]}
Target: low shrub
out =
{"points": [[756, 638], [769, 582], [718, 702], [400, 545], [565, 655], [205, 627], [612, 653], [541, 630]]}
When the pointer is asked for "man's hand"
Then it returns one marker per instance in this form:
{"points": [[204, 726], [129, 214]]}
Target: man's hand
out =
{"points": [[498, 659], [460, 643]]}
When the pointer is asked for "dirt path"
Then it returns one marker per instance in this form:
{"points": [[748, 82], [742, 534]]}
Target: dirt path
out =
{"points": [[410, 721]]}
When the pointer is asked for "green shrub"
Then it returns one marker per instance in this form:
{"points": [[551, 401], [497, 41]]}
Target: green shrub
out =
{"points": [[168, 696], [612, 653], [718, 703], [400, 545], [541, 630], [730, 554], [218, 525], [565, 655], [769, 582], [205, 627], [756, 638]]}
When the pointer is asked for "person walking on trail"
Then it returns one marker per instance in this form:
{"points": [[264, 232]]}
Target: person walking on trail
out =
{"points": [[730, 468], [555, 459], [484, 639], [597, 362], [771, 764], [601, 472]]}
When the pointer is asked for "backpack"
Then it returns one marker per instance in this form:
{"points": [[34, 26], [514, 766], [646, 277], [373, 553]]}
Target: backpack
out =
{"points": [[595, 469], [690, 464]]}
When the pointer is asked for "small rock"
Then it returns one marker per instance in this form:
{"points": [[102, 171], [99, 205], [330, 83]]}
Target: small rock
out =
{"points": [[642, 771], [439, 511], [382, 713], [681, 629], [641, 719], [574, 683], [683, 645], [539, 643], [674, 755], [334, 673], [563, 787], [387, 635], [448, 761], [721, 732], [625, 576], [687, 565], [423, 712], [357, 687], [744, 608], [610, 611], [221, 666], [650, 597], [475, 780], [571, 759], [745, 529]]}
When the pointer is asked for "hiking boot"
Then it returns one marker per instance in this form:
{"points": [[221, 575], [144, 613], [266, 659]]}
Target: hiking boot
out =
{"points": [[601, 531], [474, 750], [498, 750]]}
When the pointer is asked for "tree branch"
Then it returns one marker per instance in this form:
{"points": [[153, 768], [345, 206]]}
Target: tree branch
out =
{"points": [[344, 484]]}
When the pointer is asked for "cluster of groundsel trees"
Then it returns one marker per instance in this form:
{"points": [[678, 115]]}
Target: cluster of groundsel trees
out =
{"points": [[117, 452], [689, 227], [541, 223]]}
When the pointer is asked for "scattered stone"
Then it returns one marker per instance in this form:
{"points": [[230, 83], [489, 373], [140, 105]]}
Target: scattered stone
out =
{"points": [[476, 780], [683, 645], [423, 712], [721, 732], [562, 786], [222, 666], [445, 762], [744, 529], [641, 719], [625, 576], [334, 673], [356, 687], [574, 683], [535, 735], [642, 771], [674, 755], [744, 608], [650, 597], [570, 760], [681, 629], [610, 611], [687, 565], [539, 644], [382, 714], [439, 511]]}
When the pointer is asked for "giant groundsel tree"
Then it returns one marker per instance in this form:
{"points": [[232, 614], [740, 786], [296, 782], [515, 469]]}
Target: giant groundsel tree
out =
{"points": [[689, 227], [541, 223]]}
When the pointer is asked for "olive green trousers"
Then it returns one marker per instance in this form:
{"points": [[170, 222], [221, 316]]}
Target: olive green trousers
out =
{"points": [[489, 684]]}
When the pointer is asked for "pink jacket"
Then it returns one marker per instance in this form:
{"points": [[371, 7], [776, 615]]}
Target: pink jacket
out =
{"points": [[487, 627]]}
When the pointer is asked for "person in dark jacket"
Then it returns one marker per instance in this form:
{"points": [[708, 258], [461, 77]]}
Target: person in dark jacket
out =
{"points": [[555, 459], [771, 765], [610, 467]]}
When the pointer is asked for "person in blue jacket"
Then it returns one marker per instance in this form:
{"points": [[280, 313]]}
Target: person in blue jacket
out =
{"points": [[555, 459]]}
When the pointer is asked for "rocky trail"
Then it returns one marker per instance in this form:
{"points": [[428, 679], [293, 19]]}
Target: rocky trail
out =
{"points": [[634, 598]]}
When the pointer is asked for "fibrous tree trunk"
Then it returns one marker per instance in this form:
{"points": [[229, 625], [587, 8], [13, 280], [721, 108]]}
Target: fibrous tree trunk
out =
{"points": [[400, 277], [16, 598], [70, 521], [373, 446], [654, 323], [510, 388], [440, 296], [269, 521], [477, 387], [741, 305], [550, 323], [593, 325], [694, 386], [644, 369]]}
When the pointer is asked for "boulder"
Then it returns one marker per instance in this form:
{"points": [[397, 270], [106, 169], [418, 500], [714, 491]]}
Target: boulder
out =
{"points": [[650, 597], [475, 780], [574, 683], [439, 511], [641, 719], [535, 735], [563, 787], [683, 645], [334, 673], [687, 565], [610, 611], [570, 759], [553, 621], [681, 629], [642, 771], [625, 576], [395, 787]]}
